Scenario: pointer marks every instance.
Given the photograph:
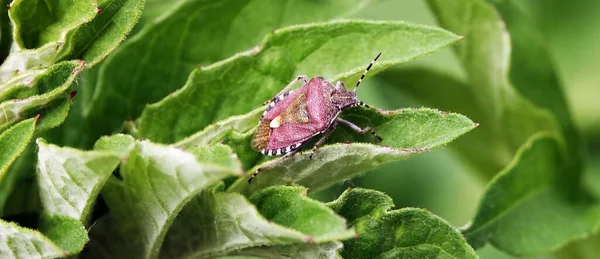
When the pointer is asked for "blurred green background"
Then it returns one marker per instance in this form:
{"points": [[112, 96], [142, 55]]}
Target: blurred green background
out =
{"points": [[437, 180]]}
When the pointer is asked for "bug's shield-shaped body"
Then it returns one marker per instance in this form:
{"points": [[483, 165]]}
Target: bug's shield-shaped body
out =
{"points": [[293, 118]]}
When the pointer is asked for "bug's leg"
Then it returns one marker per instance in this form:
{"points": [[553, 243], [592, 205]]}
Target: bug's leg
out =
{"points": [[323, 138], [276, 160], [358, 129], [287, 88]]}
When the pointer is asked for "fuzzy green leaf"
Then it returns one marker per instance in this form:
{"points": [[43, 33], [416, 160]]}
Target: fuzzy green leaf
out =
{"points": [[216, 223], [157, 182], [67, 233], [218, 154], [284, 54], [23, 169], [405, 132], [526, 201], [233, 224], [12, 143], [38, 22], [236, 130], [62, 30], [99, 37], [70, 180], [220, 130], [403, 233], [58, 237], [119, 144], [45, 87], [158, 60], [20, 67], [289, 207], [301, 251], [53, 114]]}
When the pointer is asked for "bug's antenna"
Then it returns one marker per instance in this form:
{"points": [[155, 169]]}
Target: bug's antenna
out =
{"points": [[365, 73]]}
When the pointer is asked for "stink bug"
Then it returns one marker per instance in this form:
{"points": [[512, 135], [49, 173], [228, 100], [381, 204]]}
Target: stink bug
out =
{"points": [[293, 117]]}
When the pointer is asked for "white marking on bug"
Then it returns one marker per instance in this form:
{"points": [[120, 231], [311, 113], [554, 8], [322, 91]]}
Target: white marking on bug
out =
{"points": [[275, 123]]}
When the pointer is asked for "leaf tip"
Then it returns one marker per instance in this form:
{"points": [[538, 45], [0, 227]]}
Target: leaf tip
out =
{"points": [[310, 240], [460, 37], [37, 117]]}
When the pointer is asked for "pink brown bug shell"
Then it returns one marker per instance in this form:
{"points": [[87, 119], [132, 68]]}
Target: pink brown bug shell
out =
{"points": [[294, 117], [299, 115]]}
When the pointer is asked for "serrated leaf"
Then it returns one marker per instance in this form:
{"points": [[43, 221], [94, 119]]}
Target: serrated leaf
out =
{"points": [[289, 207], [523, 201], [403, 233], [284, 54], [494, 143], [405, 132], [157, 182], [53, 114], [45, 88], [38, 81], [185, 35], [12, 143], [58, 237], [70, 180], [233, 224], [37, 22]]}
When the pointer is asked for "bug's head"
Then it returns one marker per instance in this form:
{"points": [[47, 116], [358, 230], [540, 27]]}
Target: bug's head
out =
{"points": [[343, 98]]}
